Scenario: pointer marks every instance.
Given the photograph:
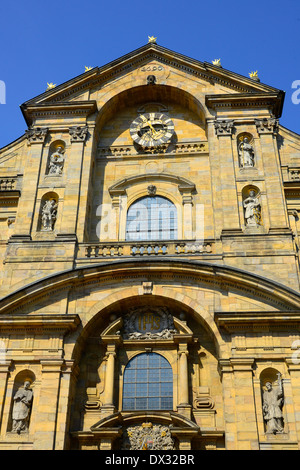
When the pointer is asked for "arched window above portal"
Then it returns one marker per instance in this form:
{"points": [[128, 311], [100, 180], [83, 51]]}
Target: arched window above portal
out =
{"points": [[151, 218], [148, 383]]}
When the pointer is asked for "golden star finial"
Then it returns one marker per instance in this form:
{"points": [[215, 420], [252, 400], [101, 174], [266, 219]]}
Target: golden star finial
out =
{"points": [[152, 39], [217, 62], [87, 68], [253, 74], [50, 85]]}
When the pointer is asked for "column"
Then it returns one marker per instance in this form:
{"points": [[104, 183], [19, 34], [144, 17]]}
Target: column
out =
{"points": [[246, 423], [183, 407], [4, 375], [108, 406], [47, 407], [69, 376], [294, 371], [35, 139], [74, 177], [267, 129], [228, 192]]}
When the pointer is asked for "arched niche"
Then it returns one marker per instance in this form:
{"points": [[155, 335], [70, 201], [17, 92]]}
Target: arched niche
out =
{"points": [[56, 158], [48, 212], [21, 424], [141, 97]]}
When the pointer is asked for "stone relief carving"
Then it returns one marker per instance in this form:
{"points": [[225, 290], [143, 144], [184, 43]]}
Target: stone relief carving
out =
{"points": [[21, 408], [48, 216], [267, 126], [148, 437], [246, 153], [273, 399], [151, 190], [56, 161], [252, 210], [78, 134], [224, 127], [36, 135], [149, 323]]}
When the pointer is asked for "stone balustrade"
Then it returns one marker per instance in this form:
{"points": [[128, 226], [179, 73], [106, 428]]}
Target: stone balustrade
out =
{"points": [[123, 249]]}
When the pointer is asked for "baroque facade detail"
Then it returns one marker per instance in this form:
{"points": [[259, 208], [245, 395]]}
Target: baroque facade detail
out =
{"points": [[149, 263]]}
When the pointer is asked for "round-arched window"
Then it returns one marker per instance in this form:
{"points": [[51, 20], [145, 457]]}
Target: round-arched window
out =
{"points": [[148, 383], [151, 218]]}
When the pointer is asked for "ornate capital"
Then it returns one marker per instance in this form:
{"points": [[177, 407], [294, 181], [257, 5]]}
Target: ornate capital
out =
{"points": [[78, 134], [224, 127], [36, 135], [267, 126]]}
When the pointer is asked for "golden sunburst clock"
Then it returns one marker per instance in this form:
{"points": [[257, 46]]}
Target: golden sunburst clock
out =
{"points": [[152, 129]]}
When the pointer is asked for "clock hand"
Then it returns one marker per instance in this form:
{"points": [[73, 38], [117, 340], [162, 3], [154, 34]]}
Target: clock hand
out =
{"points": [[152, 128]]}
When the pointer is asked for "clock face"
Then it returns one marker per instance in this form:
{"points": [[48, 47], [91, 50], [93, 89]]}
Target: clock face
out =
{"points": [[152, 129]]}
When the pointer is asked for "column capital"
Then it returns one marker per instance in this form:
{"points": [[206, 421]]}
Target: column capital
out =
{"points": [[224, 127], [78, 133], [51, 365], [36, 135], [267, 126]]}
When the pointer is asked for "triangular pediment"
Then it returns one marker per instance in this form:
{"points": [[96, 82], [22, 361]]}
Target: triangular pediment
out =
{"points": [[98, 77]]}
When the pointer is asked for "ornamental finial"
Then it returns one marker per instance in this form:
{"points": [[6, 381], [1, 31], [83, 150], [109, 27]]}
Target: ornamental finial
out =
{"points": [[152, 39], [50, 86], [254, 76], [87, 69], [217, 62]]}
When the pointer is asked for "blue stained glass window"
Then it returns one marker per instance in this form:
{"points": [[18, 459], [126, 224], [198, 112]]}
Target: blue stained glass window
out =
{"points": [[151, 218], [148, 383]]}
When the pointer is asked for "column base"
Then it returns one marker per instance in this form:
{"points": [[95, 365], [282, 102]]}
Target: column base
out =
{"points": [[185, 410]]}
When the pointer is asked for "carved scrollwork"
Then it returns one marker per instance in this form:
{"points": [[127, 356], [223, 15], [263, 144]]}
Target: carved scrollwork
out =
{"points": [[78, 133], [224, 127], [149, 323], [148, 437], [36, 135], [267, 126]]}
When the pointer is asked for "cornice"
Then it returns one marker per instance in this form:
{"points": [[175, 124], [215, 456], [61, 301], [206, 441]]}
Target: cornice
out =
{"points": [[232, 321], [59, 110], [270, 100], [204, 273], [99, 76], [40, 322]]}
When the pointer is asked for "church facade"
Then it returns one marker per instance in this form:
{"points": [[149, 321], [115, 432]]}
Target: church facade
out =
{"points": [[149, 251]]}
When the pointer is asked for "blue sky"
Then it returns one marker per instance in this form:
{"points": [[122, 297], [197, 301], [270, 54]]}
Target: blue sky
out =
{"points": [[53, 41]]}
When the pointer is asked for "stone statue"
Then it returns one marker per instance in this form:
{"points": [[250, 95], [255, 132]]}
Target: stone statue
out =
{"points": [[21, 409], [56, 162], [49, 212], [252, 210], [272, 407], [246, 153]]}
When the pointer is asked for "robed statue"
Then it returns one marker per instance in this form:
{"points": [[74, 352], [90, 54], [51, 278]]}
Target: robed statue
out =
{"points": [[21, 408], [272, 407], [246, 153], [252, 210]]}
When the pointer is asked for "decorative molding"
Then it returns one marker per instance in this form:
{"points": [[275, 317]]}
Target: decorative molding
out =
{"points": [[224, 127], [166, 149], [267, 126], [148, 437], [149, 323], [78, 133], [36, 135]]}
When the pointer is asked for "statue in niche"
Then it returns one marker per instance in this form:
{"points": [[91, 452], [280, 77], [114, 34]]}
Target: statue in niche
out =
{"points": [[49, 213], [272, 407], [21, 408], [57, 161], [246, 153], [252, 210]]}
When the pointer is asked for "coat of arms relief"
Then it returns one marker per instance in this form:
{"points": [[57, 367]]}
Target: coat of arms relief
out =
{"points": [[149, 323], [148, 436]]}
